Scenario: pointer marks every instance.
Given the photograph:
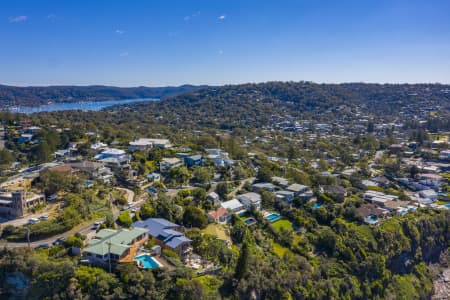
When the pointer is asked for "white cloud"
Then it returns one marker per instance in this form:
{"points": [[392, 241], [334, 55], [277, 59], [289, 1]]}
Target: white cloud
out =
{"points": [[119, 31], [123, 54], [222, 17], [18, 19], [194, 15]]}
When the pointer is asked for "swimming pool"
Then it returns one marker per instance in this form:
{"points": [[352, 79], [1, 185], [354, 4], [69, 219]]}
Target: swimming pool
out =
{"points": [[147, 261], [272, 217], [250, 221], [316, 206]]}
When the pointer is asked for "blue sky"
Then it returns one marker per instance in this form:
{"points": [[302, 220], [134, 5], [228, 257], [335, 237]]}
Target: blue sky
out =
{"points": [[155, 43]]}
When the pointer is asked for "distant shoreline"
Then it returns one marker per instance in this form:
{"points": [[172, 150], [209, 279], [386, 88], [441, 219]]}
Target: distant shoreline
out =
{"points": [[81, 105]]}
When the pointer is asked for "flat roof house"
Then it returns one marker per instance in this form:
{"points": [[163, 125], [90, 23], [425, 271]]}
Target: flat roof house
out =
{"points": [[234, 206], [250, 199], [166, 234], [297, 188], [144, 144], [287, 196], [193, 160], [168, 163], [257, 187], [115, 245]]}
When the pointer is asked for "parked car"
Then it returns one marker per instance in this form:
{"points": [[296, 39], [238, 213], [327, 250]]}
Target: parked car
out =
{"points": [[33, 221], [43, 217], [96, 224], [42, 246], [59, 241]]}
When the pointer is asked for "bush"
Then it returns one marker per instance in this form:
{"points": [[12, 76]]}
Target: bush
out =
{"points": [[124, 219]]}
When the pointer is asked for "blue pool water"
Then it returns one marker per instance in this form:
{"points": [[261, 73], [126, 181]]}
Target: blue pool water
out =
{"points": [[316, 206], [249, 221], [272, 217], [447, 205], [147, 261]]}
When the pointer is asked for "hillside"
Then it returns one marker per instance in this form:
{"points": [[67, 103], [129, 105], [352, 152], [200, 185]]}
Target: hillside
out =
{"points": [[250, 105], [33, 96]]}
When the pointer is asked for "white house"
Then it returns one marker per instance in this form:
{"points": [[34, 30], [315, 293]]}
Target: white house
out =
{"points": [[234, 206], [250, 199]]}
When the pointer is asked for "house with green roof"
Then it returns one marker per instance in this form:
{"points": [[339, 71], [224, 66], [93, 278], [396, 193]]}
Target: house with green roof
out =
{"points": [[115, 245]]}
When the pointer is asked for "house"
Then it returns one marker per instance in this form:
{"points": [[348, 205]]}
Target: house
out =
{"points": [[99, 146], [431, 180], [220, 215], [368, 183], [286, 196], [61, 153], [219, 157], [429, 194], [154, 177], [250, 200], [379, 198], [144, 144], [166, 234], [168, 163], [94, 170], [371, 213], [64, 168], [381, 181], [257, 187], [25, 138], [115, 245], [297, 189], [193, 160], [217, 153], [335, 191], [17, 203], [392, 205], [234, 206], [444, 155], [214, 198], [280, 181], [110, 152], [117, 162]]}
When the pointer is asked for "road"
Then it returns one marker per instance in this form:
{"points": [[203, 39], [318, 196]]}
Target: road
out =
{"points": [[84, 228], [129, 194], [24, 220]]}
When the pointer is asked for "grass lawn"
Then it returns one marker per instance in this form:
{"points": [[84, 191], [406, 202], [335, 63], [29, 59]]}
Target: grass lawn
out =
{"points": [[282, 224], [217, 230], [279, 250]]}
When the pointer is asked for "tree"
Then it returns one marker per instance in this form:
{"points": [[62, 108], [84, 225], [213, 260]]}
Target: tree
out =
{"points": [[222, 189], [124, 219], [267, 199], [6, 157], [242, 263], [202, 175], [264, 174], [194, 217], [73, 241], [146, 211], [42, 152], [180, 174]]}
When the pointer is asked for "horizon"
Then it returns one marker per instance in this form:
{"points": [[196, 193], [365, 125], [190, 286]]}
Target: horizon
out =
{"points": [[175, 43], [226, 84]]}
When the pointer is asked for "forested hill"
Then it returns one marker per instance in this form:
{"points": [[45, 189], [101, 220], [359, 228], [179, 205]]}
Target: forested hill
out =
{"points": [[255, 104], [33, 96]]}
